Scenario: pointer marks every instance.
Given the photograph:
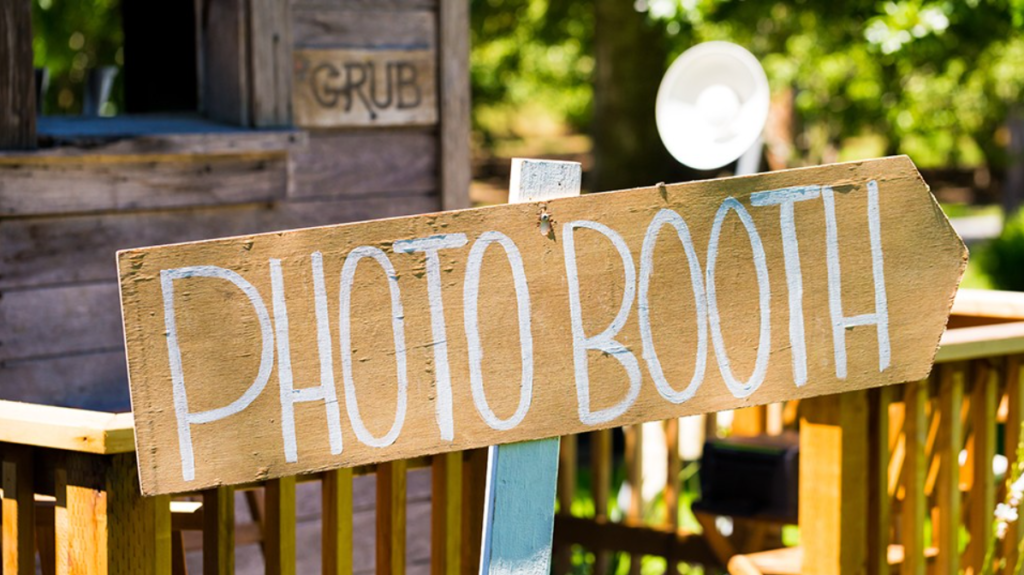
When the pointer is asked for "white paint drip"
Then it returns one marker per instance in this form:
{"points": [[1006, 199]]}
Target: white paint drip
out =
{"points": [[471, 294], [662, 218], [325, 391], [430, 246], [185, 418], [785, 198], [738, 388], [840, 323], [348, 272], [603, 341]]}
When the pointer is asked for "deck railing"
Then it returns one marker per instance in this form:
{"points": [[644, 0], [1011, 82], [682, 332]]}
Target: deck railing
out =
{"points": [[899, 475]]}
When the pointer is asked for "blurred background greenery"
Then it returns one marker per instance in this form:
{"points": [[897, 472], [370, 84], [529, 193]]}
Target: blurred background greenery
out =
{"points": [[939, 80]]}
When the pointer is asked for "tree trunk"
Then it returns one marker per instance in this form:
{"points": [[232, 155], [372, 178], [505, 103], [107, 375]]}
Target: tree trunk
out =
{"points": [[630, 59]]}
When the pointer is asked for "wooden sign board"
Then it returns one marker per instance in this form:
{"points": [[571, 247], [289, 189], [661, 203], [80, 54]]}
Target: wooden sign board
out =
{"points": [[356, 88], [278, 354]]}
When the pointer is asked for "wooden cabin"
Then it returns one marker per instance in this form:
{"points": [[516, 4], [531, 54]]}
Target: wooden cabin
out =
{"points": [[242, 116]]}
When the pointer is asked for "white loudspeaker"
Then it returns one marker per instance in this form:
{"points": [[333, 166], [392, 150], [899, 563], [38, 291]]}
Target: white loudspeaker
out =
{"points": [[712, 105]]}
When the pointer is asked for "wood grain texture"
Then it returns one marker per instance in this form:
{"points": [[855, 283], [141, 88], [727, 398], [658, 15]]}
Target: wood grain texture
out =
{"points": [[355, 87], [81, 515], [983, 486], [342, 164], [879, 503], [63, 428], [225, 61], [17, 508], [914, 508], [270, 67], [17, 77], [453, 58], [96, 381], [951, 399], [62, 320], [365, 29], [77, 187], [221, 338], [59, 250], [139, 528], [219, 531]]}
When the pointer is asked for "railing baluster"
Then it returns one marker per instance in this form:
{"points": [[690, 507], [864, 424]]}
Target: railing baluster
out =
{"points": [[279, 527], [219, 531], [391, 480], [138, 528], [915, 428], [879, 501], [634, 475], [336, 526], [18, 511], [672, 481], [566, 491], [1014, 419], [446, 514], [951, 397], [474, 490], [601, 483], [80, 515], [983, 489]]}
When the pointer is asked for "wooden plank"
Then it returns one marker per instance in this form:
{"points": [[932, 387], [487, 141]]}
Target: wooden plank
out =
{"points": [[225, 61], [61, 320], [97, 381], [67, 187], [474, 496], [376, 5], [879, 502], [18, 511], [947, 538], [391, 485], [218, 334], [989, 303], [17, 79], [79, 512], [520, 513], [42, 251], [219, 531], [833, 493], [513, 543], [139, 528], [270, 69], [1014, 422], [406, 30], [982, 341], [336, 527], [446, 515], [635, 538], [453, 58], [62, 428], [983, 487], [356, 87], [913, 513], [279, 527], [348, 164]]}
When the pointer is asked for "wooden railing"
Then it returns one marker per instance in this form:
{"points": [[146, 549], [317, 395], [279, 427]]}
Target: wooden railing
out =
{"points": [[881, 483]]}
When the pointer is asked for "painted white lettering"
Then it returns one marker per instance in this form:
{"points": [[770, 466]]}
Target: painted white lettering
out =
{"points": [[785, 198], [669, 217], [841, 323], [738, 388], [348, 273], [430, 246], [603, 341], [185, 418], [471, 295], [325, 391]]}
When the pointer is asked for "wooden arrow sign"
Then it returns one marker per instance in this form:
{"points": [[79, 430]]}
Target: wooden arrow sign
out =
{"points": [[278, 354]]}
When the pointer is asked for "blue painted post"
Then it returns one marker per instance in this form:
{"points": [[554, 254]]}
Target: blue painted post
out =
{"points": [[519, 509]]}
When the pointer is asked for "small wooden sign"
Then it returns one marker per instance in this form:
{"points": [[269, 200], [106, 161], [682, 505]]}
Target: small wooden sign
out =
{"points": [[350, 87], [278, 354]]}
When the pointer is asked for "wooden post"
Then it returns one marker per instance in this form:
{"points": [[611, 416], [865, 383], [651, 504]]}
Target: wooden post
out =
{"points": [[474, 493], [446, 514], [391, 481], [138, 528], [17, 77], [270, 67], [951, 398], [279, 527], [833, 484], [913, 515], [336, 526], [566, 492], [219, 531], [879, 502], [983, 487], [453, 88], [18, 511]]}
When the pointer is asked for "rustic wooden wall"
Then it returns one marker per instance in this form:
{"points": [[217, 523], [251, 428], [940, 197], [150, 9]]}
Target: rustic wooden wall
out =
{"points": [[65, 211]]}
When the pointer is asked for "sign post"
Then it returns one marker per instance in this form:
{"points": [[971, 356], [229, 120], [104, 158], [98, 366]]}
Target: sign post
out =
{"points": [[295, 352]]}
